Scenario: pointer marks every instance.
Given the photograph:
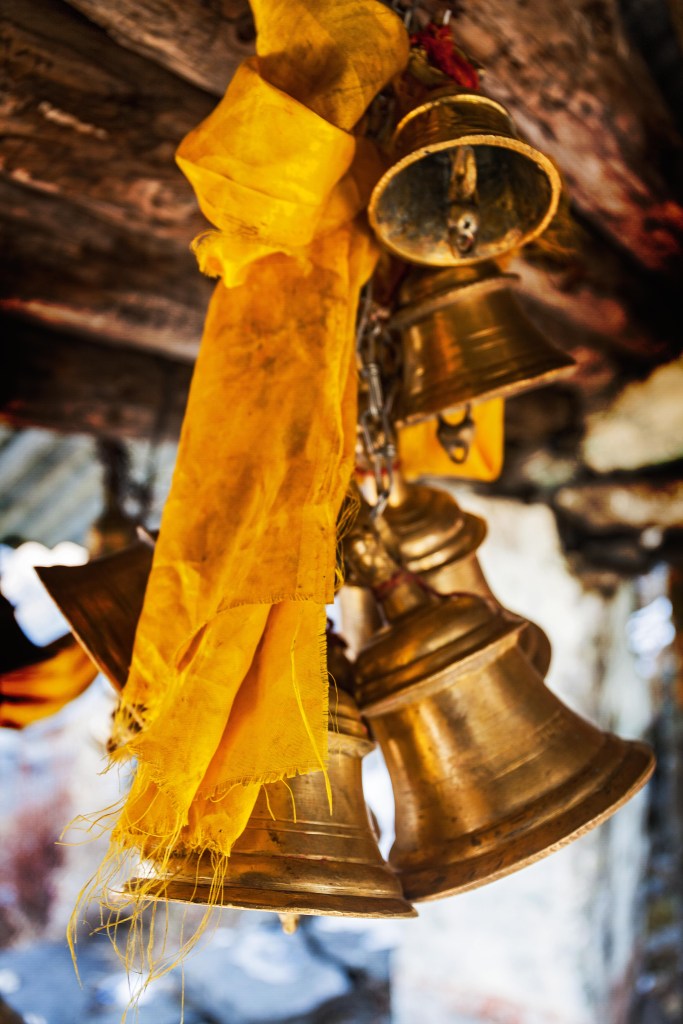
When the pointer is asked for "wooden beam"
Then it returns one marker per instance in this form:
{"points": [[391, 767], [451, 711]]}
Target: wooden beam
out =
{"points": [[88, 121], [65, 383], [581, 94], [201, 42], [66, 267]]}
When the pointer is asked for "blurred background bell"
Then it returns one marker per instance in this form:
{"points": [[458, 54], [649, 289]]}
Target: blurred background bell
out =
{"points": [[102, 601], [490, 770], [113, 529], [463, 187], [465, 338], [294, 856]]}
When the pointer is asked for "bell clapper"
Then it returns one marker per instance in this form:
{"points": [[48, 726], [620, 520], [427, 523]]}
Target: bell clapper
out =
{"points": [[289, 922], [463, 215]]}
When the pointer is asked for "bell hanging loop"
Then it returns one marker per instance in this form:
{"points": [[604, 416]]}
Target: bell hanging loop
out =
{"points": [[456, 439]]}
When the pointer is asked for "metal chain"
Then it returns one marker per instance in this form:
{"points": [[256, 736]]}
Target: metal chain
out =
{"points": [[376, 428]]}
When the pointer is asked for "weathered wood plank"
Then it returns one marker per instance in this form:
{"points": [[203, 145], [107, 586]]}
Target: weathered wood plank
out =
{"points": [[87, 120], [582, 95], [65, 266], [66, 383], [203, 42]]}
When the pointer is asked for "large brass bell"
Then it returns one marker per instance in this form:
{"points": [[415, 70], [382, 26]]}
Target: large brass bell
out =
{"points": [[465, 338], [293, 856], [102, 601], [490, 770], [431, 536], [463, 187], [293, 862]]}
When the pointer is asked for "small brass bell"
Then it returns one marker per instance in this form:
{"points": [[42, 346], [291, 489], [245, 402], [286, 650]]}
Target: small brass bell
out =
{"points": [[102, 601], [465, 338], [490, 770], [113, 529], [463, 187], [431, 536], [310, 862]]}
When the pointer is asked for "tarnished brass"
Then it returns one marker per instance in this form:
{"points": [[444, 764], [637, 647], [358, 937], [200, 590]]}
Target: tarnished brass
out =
{"points": [[463, 187], [310, 862], [430, 535], [465, 338], [102, 601], [360, 617], [490, 770]]}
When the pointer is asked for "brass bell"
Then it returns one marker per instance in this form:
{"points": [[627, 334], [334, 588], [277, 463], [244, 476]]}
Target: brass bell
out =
{"points": [[463, 187], [113, 529], [102, 601], [490, 770], [465, 338], [430, 536], [359, 616], [308, 862]]}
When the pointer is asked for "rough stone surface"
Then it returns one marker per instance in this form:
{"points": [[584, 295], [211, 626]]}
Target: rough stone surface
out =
{"points": [[643, 426]]}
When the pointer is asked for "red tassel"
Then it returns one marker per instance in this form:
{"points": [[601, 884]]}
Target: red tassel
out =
{"points": [[437, 42]]}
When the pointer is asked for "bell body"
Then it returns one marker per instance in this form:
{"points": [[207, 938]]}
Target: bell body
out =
{"points": [[490, 770], [102, 601], [433, 537], [308, 862], [465, 338], [517, 187]]}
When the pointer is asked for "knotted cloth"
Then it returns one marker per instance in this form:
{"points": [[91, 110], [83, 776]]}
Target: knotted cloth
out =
{"points": [[228, 682]]}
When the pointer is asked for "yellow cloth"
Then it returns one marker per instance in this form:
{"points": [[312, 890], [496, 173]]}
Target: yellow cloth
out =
{"points": [[229, 659], [421, 454], [36, 691]]}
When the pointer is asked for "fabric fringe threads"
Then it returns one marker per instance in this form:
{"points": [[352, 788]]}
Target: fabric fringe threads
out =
{"points": [[228, 686]]}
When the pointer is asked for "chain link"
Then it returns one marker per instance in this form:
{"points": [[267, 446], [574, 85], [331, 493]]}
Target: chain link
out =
{"points": [[376, 428]]}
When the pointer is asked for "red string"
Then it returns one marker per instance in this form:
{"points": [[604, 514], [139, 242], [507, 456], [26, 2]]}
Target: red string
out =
{"points": [[437, 41]]}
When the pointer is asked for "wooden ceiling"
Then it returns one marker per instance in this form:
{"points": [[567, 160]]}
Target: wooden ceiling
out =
{"points": [[101, 300]]}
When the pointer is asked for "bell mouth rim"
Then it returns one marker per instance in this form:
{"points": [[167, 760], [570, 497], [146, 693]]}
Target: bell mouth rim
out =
{"points": [[637, 765], [506, 390], [543, 162], [283, 901]]}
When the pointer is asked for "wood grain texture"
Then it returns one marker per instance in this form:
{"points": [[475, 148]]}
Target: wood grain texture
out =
{"points": [[202, 42], [62, 382], [85, 119], [65, 266], [581, 93]]}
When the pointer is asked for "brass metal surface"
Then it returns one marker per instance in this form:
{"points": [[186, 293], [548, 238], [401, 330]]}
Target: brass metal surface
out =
{"points": [[429, 534], [490, 770], [311, 862], [102, 601], [360, 617], [465, 338], [517, 187]]}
